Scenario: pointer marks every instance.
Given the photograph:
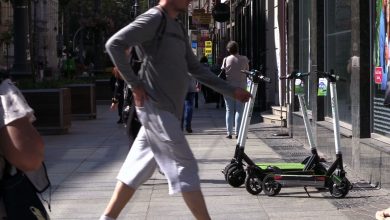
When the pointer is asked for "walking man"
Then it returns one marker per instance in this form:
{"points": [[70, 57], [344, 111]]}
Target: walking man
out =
{"points": [[159, 92]]}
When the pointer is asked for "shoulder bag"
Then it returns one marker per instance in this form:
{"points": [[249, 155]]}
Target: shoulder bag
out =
{"points": [[20, 196], [222, 74]]}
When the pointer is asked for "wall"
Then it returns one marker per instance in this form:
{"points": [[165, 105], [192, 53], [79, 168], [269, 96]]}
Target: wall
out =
{"points": [[367, 155], [271, 52]]}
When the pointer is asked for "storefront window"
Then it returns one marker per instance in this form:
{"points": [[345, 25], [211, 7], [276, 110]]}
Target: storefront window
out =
{"points": [[304, 44], [338, 53], [381, 113]]}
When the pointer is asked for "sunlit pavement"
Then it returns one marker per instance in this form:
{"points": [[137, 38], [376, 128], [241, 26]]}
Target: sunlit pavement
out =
{"points": [[83, 164]]}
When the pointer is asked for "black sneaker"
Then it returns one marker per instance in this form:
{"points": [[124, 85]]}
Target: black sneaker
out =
{"points": [[120, 121], [229, 136], [189, 130]]}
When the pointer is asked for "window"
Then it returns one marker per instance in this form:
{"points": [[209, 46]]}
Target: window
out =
{"points": [[304, 44], [338, 53], [1, 13], [381, 113]]}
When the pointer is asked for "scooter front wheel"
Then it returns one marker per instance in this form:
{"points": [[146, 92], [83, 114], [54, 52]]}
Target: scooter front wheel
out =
{"points": [[340, 190], [253, 184], [270, 186], [236, 175], [225, 171]]}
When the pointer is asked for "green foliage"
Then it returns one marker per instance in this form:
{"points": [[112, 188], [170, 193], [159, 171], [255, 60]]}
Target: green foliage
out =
{"points": [[112, 14], [6, 37], [64, 3]]}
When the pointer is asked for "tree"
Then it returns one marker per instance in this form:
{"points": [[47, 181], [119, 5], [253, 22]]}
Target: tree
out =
{"points": [[6, 38], [90, 26]]}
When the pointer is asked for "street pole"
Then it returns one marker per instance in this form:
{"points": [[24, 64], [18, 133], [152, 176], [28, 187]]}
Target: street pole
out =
{"points": [[7, 53], [35, 39], [135, 8], [97, 6], [98, 62], [231, 21], [21, 68]]}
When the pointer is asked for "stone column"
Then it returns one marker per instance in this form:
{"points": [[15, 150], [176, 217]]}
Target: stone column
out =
{"points": [[21, 67]]}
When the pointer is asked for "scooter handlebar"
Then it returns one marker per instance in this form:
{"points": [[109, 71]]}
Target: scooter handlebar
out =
{"points": [[295, 75], [256, 73], [331, 76]]}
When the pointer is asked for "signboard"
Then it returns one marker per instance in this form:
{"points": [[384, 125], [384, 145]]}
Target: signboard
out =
{"points": [[322, 86], [378, 75], [199, 16], [208, 48], [194, 44], [198, 12], [299, 87]]}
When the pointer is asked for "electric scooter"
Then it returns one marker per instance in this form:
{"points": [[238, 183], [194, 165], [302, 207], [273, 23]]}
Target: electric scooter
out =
{"points": [[333, 176], [255, 172]]}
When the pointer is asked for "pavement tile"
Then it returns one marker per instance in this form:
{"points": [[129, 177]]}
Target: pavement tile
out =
{"points": [[83, 165]]}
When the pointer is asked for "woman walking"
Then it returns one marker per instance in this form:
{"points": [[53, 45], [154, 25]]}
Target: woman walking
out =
{"points": [[233, 64]]}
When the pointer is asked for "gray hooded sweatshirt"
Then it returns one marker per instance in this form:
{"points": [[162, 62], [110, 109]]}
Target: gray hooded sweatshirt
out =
{"points": [[167, 66]]}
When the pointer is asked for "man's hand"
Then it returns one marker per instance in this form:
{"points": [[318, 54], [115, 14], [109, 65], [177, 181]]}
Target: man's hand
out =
{"points": [[383, 214], [139, 96], [113, 106], [241, 95]]}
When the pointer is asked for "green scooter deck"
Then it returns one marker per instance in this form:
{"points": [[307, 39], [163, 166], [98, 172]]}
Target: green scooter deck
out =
{"points": [[282, 166]]}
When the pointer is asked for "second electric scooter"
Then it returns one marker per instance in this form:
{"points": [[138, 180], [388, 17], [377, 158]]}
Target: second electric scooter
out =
{"points": [[252, 176], [333, 177]]}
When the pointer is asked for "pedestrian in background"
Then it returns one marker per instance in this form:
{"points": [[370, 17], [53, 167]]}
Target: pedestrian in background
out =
{"points": [[117, 101], [159, 92], [220, 100], [233, 64], [203, 60], [189, 105]]}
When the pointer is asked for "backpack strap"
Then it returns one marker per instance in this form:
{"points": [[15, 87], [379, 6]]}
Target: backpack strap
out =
{"points": [[224, 63], [161, 28], [156, 39]]}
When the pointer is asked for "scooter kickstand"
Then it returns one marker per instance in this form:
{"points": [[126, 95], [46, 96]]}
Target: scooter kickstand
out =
{"points": [[306, 191]]}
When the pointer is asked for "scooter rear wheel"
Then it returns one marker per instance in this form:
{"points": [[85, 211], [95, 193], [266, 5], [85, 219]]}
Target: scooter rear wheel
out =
{"points": [[340, 190], [253, 184], [270, 186], [236, 175]]}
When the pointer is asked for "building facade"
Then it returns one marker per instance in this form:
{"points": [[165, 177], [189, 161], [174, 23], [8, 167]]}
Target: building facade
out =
{"points": [[44, 28], [6, 35], [349, 37], [45, 22]]}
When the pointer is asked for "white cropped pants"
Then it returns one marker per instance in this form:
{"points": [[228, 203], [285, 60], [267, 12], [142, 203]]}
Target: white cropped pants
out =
{"points": [[160, 142]]}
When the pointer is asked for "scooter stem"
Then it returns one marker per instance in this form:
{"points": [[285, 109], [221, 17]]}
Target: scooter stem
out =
{"points": [[335, 114], [247, 115], [306, 121]]}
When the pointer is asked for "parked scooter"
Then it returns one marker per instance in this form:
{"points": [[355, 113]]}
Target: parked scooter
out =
{"points": [[234, 172], [255, 173], [333, 176]]}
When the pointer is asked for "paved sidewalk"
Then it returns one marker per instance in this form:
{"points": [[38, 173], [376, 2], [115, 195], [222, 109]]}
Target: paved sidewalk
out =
{"points": [[83, 165]]}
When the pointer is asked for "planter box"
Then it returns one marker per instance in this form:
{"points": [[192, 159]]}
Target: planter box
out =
{"points": [[52, 109], [103, 91], [83, 98]]}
